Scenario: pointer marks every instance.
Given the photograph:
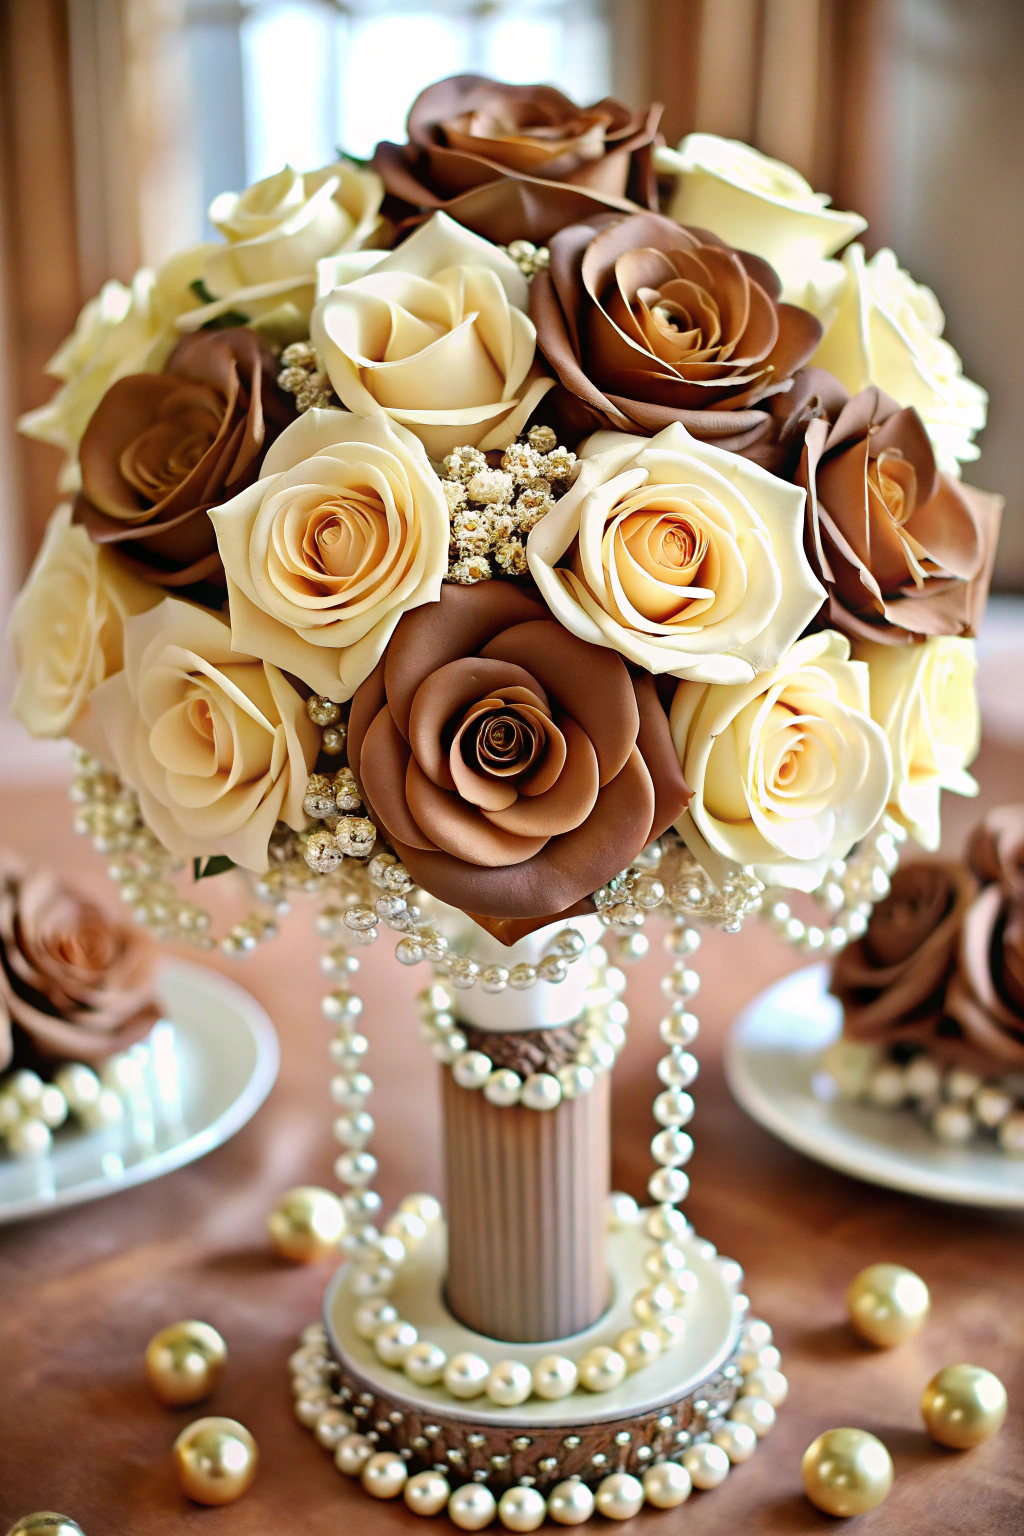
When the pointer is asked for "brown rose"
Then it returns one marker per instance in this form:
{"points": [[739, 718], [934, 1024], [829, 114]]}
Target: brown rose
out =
{"points": [[78, 986], [162, 448], [986, 996], [513, 767], [904, 550], [646, 323], [892, 982], [996, 849], [519, 162]]}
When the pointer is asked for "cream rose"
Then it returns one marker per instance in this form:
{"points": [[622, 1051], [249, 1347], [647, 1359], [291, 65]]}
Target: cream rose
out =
{"points": [[788, 771], [277, 231], [435, 333], [345, 530], [218, 745], [67, 628], [761, 205], [683, 557], [925, 699], [888, 331]]}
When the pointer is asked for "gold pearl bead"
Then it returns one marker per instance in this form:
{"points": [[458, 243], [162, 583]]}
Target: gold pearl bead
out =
{"points": [[306, 1224], [215, 1460], [184, 1362], [887, 1304], [638, 1347], [666, 1485], [570, 1503], [45, 1523], [427, 1493], [846, 1472], [963, 1406], [384, 1475]]}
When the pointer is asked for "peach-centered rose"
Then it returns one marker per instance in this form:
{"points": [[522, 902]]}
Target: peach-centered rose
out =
{"points": [[646, 323], [892, 982], [346, 528], [904, 550], [217, 744], [519, 162], [513, 767], [986, 996], [162, 448], [996, 849], [77, 985]]}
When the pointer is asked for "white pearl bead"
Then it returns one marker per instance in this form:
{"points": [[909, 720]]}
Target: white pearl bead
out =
{"points": [[923, 1078], [730, 1273], [672, 1148], [79, 1085], [601, 1369], [383, 1250], [1011, 1134], [394, 1342], [755, 1411], [503, 1087], [619, 1497], [888, 1086], [666, 1262], [425, 1363], [412, 1229], [575, 1080], [960, 1085], [27, 1088], [954, 1124], [509, 1383], [427, 1493], [991, 1105], [540, 1091], [426, 1207], [375, 1280], [673, 1107], [768, 1358], [707, 1464], [554, 1376], [310, 1405], [653, 1303], [738, 1441], [105, 1111], [471, 1507], [353, 1452], [372, 1316], [472, 1069], [666, 1224], [522, 1509], [671, 1331], [29, 1139], [668, 1185], [53, 1107], [622, 1209], [638, 1347], [466, 1375], [769, 1384], [666, 1484], [570, 1503], [331, 1427], [757, 1334], [384, 1475]]}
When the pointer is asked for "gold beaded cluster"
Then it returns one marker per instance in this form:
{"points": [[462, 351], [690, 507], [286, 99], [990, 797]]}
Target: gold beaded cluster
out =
{"points": [[492, 510], [529, 258], [303, 375]]}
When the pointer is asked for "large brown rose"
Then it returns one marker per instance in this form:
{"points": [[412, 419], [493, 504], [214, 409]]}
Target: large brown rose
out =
{"points": [[162, 448], [513, 767], [519, 162], [646, 323], [77, 985], [905, 550], [892, 982], [996, 849], [986, 996]]}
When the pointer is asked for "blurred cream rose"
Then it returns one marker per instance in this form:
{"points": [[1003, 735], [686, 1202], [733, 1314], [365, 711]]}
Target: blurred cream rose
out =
{"points": [[67, 628], [790, 770], [218, 745], [276, 232], [761, 205], [925, 699], [888, 331], [345, 530], [436, 334], [683, 557]]}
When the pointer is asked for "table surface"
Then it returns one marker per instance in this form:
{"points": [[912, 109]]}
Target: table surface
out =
{"points": [[82, 1292]]}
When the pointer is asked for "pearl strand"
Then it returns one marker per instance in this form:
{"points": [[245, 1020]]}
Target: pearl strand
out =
{"points": [[847, 894]]}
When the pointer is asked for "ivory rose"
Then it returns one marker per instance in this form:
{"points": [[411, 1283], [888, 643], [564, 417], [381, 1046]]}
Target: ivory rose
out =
{"points": [[888, 331], [218, 745], [684, 558], [925, 699], [788, 771], [345, 530], [67, 628], [762, 205], [435, 333]]}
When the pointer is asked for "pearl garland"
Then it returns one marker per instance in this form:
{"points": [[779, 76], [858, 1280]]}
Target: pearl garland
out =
{"points": [[31, 1109]]}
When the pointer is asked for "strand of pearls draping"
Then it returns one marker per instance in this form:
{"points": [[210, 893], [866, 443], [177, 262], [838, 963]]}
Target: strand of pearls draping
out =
{"points": [[851, 888]]}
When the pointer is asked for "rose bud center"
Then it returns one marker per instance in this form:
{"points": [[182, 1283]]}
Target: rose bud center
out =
{"points": [[166, 453]]}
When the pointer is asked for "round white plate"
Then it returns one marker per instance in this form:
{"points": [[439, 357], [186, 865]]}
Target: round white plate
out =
{"points": [[207, 1067], [771, 1063]]}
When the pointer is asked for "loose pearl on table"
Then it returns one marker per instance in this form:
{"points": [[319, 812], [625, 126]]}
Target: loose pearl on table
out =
{"points": [[352, 1454], [306, 1224], [425, 1363], [384, 1475], [509, 1383], [427, 1493], [373, 1315], [963, 1406], [554, 1376], [755, 1411], [638, 1347], [471, 1507], [394, 1342], [45, 1523], [666, 1484], [522, 1509], [887, 1304], [466, 1375], [619, 1496], [846, 1472], [707, 1464], [570, 1503], [215, 1460], [601, 1369], [771, 1385], [738, 1441], [184, 1362]]}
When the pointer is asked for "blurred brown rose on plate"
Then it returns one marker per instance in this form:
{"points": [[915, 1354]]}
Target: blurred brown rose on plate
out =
{"points": [[986, 995], [996, 848]]}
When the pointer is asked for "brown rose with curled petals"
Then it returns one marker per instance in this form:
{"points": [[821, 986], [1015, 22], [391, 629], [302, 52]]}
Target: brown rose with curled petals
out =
{"points": [[996, 849], [645, 323], [513, 767], [892, 982], [162, 448], [519, 162], [904, 550], [74, 984], [985, 999]]}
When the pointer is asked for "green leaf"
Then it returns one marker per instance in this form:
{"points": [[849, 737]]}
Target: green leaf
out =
{"points": [[224, 322], [204, 869], [201, 291]]}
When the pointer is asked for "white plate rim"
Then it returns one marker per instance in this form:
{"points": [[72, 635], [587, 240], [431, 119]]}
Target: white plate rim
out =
{"points": [[227, 1124]]}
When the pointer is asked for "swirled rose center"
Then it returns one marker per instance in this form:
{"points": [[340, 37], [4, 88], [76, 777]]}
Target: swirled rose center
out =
{"points": [[345, 540], [527, 136], [86, 944], [503, 743], [165, 453]]}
